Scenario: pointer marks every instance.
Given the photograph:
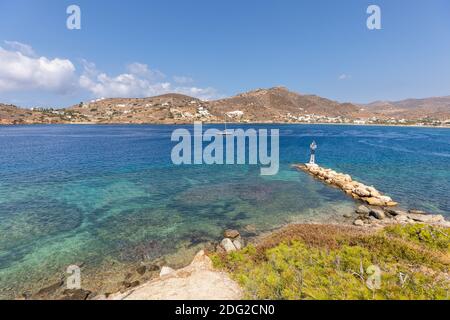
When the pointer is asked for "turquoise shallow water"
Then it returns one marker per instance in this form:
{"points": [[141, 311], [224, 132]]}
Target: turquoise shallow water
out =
{"points": [[109, 195]]}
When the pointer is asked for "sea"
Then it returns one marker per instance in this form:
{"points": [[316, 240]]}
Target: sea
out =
{"points": [[109, 198]]}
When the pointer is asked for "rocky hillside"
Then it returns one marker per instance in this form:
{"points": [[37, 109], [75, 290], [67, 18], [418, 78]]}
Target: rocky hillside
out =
{"points": [[263, 105], [10, 114], [437, 108], [169, 108], [277, 105]]}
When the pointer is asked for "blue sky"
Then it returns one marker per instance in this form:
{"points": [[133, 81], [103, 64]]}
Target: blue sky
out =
{"points": [[212, 48]]}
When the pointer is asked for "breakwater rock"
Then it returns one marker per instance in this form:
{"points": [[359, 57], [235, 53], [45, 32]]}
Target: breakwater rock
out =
{"points": [[379, 217], [357, 190], [379, 210]]}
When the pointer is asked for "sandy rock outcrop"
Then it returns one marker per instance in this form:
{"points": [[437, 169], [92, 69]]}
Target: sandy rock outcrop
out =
{"points": [[198, 281]]}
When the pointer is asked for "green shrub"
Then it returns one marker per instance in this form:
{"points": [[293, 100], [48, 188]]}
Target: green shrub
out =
{"points": [[431, 236], [292, 269]]}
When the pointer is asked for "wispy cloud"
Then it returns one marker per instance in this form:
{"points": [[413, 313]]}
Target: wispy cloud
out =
{"points": [[183, 80], [23, 48], [344, 77], [138, 81]]}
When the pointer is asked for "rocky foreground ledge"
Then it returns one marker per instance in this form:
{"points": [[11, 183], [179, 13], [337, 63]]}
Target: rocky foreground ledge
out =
{"points": [[379, 209], [198, 281]]}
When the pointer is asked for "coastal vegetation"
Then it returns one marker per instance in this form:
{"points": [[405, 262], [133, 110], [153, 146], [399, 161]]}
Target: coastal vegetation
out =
{"points": [[338, 262]]}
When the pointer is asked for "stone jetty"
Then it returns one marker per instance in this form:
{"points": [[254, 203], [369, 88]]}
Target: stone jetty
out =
{"points": [[357, 190], [379, 210]]}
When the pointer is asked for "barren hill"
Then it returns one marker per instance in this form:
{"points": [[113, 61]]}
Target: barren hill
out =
{"points": [[436, 107], [278, 105]]}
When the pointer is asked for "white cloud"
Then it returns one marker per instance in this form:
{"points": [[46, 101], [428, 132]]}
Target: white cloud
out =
{"points": [[344, 76], [183, 80], [139, 81], [21, 70], [142, 70], [25, 49]]}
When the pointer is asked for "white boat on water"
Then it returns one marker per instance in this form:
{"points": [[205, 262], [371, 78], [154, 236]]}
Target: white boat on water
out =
{"points": [[225, 132]]}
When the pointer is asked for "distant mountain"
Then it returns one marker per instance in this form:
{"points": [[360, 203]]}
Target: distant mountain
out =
{"points": [[437, 107], [278, 105]]}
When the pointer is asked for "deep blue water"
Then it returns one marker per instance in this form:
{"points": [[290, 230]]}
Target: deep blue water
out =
{"points": [[109, 195]]}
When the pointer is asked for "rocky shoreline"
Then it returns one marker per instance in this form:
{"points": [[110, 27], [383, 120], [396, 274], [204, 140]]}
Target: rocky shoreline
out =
{"points": [[379, 210]]}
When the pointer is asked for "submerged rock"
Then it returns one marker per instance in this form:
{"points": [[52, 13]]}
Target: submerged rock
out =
{"points": [[358, 222], [51, 289], [76, 294], [250, 228], [153, 268], [141, 270], [232, 234], [414, 211]]}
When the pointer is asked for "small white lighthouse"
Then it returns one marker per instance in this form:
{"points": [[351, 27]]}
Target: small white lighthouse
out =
{"points": [[313, 147]]}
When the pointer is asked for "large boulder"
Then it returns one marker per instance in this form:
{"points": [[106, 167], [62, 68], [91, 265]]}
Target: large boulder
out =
{"points": [[362, 192], [347, 177], [375, 201], [228, 245], [339, 182], [373, 192], [377, 213], [426, 218], [362, 210], [385, 199], [237, 244], [348, 187], [395, 212], [391, 204]]}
